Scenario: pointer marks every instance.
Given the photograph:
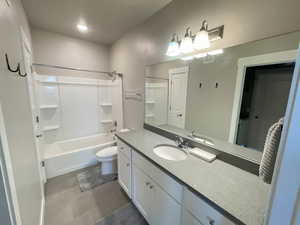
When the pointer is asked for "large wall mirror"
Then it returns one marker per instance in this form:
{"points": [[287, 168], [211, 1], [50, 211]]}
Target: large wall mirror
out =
{"points": [[233, 95]]}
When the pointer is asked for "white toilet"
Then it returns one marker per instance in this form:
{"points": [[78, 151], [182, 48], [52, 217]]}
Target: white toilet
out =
{"points": [[108, 159]]}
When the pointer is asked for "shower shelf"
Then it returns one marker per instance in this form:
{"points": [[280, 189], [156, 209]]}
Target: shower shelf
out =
{"points": [[106, 104], [149, 115], [150, 102], [48, 106], [49, 128], [107, 121]]}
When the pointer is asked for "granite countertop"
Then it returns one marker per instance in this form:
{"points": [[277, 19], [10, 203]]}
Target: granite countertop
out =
{"points": [[241, 194]]}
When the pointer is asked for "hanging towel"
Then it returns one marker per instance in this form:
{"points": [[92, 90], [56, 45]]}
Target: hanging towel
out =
{"points": [[270, 151]]}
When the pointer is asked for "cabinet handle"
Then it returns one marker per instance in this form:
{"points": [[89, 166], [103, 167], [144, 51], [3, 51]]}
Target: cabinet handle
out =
{"points": [[151, 186], [211, 221], [147, 183], [128, 164]]}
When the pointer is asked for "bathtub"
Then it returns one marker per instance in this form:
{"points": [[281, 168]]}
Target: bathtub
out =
{"points": [[70, 155]]}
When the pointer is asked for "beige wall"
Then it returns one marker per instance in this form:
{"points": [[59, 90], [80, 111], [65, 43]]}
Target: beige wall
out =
{"points": [[16, 132], [244, 21], [56, 49]]}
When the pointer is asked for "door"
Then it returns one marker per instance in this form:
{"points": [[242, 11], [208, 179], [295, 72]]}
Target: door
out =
{"points": [[124, 173], [270, 97], [32, 91], [142, 194], [165, 209], [178, 80]]}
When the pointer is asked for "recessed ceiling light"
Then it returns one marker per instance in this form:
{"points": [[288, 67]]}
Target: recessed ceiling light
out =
{"points": [[82, 28]]}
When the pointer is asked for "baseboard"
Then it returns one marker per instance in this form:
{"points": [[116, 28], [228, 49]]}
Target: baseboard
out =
{"points": [[42, 215], [69, 169]]}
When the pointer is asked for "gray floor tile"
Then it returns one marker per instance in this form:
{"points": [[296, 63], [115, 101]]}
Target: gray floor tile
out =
{"points": [[67, 205]]}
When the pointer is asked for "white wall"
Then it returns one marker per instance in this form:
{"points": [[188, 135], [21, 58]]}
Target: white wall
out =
{"points": [[17, 133], [244, 21], [56, 49]]}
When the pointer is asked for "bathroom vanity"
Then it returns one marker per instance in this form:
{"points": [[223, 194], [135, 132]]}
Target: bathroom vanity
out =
{"points": [[187, 192]]}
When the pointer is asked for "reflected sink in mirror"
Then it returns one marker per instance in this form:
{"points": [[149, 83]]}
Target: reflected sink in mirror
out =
{"points": [[170, 152]]}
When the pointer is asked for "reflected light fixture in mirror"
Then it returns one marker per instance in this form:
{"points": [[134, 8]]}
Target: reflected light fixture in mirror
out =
{"points": [[216, 52], [173, 48], [187, 58], [82, 27], [200, 55], [202, 38], [186, 45]]}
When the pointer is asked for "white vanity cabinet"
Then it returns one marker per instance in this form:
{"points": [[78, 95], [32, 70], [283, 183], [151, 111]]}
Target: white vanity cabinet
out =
{"points": [[124, 167], [159, 197], [156, 205]]}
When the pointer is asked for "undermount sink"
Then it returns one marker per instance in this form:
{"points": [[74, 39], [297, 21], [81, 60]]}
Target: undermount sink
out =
{"points": [[170, 152]]}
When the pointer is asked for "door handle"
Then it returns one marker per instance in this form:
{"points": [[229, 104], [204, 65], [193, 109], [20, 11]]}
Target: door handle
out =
{"points": [[179, 115]]}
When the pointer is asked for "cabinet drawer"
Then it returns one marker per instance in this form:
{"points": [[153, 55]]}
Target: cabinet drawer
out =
{"points": [[125, 149], [206, 214], [167, 183]]}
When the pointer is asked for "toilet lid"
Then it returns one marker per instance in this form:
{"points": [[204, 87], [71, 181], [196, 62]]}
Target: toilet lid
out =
{"points": [[108, 152]]}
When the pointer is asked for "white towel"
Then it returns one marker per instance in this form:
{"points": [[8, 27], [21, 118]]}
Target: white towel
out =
{"points": [[268, 160]]}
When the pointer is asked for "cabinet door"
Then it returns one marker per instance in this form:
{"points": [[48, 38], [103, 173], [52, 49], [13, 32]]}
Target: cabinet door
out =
{"points": [[165, 209], [124, 173], [188, 219], [142, 194]]}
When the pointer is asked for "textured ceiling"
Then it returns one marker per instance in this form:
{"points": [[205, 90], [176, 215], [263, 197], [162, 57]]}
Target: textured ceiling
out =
{"points": [[107, 19]]}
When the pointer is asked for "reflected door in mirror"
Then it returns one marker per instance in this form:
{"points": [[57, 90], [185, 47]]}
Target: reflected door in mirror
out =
{"points": [[177, 96]]}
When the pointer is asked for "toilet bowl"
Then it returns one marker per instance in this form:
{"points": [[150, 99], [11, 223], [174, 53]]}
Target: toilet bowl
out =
{"points": [[108, 159]]}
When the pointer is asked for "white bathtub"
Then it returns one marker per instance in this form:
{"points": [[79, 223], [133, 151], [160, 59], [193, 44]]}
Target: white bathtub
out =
{"points": [[70, 155]]}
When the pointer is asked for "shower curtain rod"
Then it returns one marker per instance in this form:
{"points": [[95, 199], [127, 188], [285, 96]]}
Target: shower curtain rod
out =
{"points": [[111, 74]]}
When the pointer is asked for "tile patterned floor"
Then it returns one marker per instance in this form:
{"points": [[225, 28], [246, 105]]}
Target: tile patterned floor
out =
{"points": [[67, 205]]}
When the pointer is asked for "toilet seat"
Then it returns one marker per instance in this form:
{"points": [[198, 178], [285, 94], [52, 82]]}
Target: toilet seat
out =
{"points": [[107, 154]]}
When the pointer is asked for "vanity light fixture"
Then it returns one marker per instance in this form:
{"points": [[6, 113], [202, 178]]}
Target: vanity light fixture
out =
{"points": [[191, 42], [202, 39], [82, 27], [186, 45], [173, 48]]}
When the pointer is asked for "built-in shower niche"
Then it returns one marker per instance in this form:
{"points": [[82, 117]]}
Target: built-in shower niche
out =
{"points": [[105, 96], [49, 106], [73, 107], [156, 100]]}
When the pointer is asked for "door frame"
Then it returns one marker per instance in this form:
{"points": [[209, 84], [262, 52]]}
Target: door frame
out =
{"points": [[26, 46], [259, 60], [172, 72], [285, 191], [7, 168]]}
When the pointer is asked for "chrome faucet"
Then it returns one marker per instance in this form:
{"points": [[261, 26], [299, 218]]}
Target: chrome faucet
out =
{"points": [[181, 143]]}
